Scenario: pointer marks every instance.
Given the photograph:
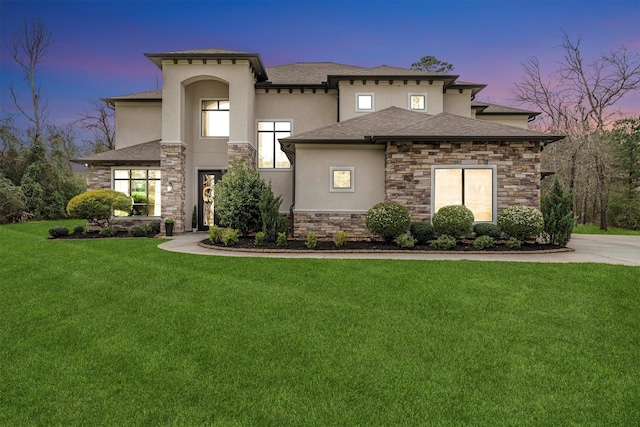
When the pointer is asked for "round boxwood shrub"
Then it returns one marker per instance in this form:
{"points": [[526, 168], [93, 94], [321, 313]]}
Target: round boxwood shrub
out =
{"points": [[388, 220], [487, 229], [59, 231], [521, 221], [453, 220], [422, 232], [484, 242], [139, 231]]}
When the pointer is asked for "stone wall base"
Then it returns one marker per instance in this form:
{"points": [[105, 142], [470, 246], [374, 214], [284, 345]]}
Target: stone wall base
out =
{"points": [[326, 224], [126, 222]]}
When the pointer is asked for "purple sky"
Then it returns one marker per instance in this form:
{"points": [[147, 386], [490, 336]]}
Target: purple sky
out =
{"points": [[99, 45]]}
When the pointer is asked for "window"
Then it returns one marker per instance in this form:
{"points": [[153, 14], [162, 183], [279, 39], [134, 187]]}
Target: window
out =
{"points": [[474, 187], [143, 186], [342, 179], [270, 154], [215, 118], [364, 102], [417, 101]]}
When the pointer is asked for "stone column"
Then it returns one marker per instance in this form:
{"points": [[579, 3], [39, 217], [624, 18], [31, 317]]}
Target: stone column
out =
{"points": [[242, 151], [173, 169]]}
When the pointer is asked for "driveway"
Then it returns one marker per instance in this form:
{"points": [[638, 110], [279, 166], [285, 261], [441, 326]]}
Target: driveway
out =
{"points": [[624, 250]]}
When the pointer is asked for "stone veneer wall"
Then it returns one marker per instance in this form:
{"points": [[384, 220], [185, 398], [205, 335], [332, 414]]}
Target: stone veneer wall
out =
{"points": [[242, 151], [408, 171], [173, 170], [326, 224], [99, 178]]}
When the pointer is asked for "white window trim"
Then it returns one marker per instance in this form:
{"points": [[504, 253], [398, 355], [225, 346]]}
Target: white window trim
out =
{"points": [[373, 102], [417, 94], [274, 169], [352, 171], [494, 187], [200, 118]]}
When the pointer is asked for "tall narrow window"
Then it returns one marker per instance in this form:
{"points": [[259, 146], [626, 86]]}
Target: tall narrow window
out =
{"points": [[472, 187], [270, 154], [215, 118], [143, 186]]}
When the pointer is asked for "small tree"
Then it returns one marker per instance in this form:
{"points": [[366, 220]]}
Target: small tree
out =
{"points": [[270, 214], [558, 216], [97, 206], [237, 198]]}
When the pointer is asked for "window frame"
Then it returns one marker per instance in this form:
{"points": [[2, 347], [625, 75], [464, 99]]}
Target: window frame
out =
{"points": [[276, 143], [373, 102], [158, 182], [352, 179], [202, 110], [424, 95], [494, 187]]}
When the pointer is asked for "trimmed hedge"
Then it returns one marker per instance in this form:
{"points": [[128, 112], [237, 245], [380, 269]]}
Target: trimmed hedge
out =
{"points": [[453, 220], [521, 221], [388, 220]]}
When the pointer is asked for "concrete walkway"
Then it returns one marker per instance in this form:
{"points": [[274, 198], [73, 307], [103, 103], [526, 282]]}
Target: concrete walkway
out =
{"points": [[624, 250]]}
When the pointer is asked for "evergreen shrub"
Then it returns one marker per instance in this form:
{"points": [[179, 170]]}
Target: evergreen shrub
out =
{"points": [[108, 232], [521, 221], [388, 220], [444, 242], [215, 234], [406, 241], [281, 240], [557, 211], [97, 206], [312, 240], [484, 242], [453, 220], [59, 231], [422, 232], [487, 229], [139, 231], [340, 239]]}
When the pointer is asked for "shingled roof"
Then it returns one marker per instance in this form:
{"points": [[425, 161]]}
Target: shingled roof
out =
{"points": [[147, 153], [306, 72]]}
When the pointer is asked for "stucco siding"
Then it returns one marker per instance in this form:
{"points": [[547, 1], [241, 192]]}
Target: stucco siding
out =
{"points": [[137, 122], [457, 103], [520, 121]]}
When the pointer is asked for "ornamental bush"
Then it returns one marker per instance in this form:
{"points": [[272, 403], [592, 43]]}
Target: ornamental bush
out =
{"points": [[422, 232], [281, 240], [487, 229], [108, 232], [521, 221], [59, 231], [215, 234], [484, 242], [312, 240], [230, 237], [79, 229], [557, 210], [259, 239], [444, 242], [97, 206], [405, 241], [269, 206], [388, 220], [340, 238], [453, 220], [513, 243], [139, 230]]}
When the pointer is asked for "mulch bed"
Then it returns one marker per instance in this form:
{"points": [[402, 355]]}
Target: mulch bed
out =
{"points": [[94, 235]]}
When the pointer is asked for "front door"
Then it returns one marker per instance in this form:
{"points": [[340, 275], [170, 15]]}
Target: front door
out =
{"points": [[206, 187]]}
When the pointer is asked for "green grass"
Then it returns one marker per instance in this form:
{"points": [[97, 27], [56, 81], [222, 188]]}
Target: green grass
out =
{"points": [[118, 332], [594, 229]]}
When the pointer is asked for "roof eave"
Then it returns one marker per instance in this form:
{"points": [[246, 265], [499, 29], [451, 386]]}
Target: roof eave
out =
{"points": [[254, 59], [447, 78], [459, 138]]}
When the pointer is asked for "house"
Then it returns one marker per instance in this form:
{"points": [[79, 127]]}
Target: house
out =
{"points": [[333, 140]]}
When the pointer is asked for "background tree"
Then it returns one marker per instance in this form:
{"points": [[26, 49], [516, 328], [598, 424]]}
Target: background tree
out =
{"points": [[431, 64], [99, 121]]}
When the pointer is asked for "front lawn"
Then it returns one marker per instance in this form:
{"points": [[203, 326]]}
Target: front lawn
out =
{"points": [[594, 229], [119, 332]]}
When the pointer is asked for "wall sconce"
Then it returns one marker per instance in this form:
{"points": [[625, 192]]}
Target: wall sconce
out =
{"points": [[169, 187]]}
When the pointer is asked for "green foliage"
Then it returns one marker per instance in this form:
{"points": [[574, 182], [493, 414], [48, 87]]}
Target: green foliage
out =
{"points": [[625, 141], [139, 197], [259, 239], [12, 201], [281, 240], [487, 229], [557, 211], [139, 231], [312, 240], [107, 232], [194, 217], [432, 64], [444, 242], [453, 220], [521, 221], [340, 239], [624, 212], [155, 227], [484, 242], [215, 234], [388, 220], [406, 241], [58, 231], [79, 229], [237, 198], [169, 221], [514, 243], [230, 237], [97, 206], [270, 214], [422, 232]]}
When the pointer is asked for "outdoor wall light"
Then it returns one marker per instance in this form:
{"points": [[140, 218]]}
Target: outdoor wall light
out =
{"points": [[169, 187]]}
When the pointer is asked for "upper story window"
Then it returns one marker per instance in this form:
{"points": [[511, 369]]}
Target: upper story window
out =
{"points": [[215, 118], [364, 102], [270, 154], [418, 101]]}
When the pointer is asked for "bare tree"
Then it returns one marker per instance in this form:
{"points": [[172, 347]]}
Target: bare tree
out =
{"points": [[99, 121], [27, 48]]}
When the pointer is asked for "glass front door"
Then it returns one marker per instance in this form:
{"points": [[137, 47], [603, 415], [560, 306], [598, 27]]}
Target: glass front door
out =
{"points": [[206, 192]]}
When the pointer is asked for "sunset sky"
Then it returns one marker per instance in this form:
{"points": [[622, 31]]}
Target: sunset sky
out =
{"points": [[99, 45]]}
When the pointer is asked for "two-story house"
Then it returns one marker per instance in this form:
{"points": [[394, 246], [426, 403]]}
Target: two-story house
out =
{"points": [[332, 139]]}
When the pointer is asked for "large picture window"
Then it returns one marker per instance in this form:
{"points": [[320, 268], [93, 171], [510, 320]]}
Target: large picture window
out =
{"points": [[143, 186], [270, 154], [215, 118], [473, 187]]}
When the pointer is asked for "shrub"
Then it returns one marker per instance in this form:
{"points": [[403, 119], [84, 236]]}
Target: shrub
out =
{"points": [[340, 238], [97, 206], [453, 220], [281, 239], [194, 217], [230, 237], [624, 212], [155, 227], [259, 239], [513, 243], [237, 198], [215, 234], [422, 232], [79, 229], [169, 221], [12, 201], [59, 231], [444, 242], [108, 232], [388, 220], [406, 241], [139, 231], [557, 211], [521, 221], [484, 242], [312, 240], [139, 197], [487, 229], [270, 214]]}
